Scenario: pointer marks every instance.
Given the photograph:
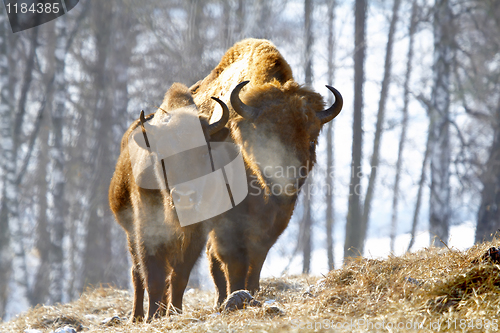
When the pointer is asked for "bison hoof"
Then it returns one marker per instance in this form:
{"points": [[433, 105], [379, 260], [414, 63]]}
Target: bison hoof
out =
{"points": [[136, 319], [239, 299]]}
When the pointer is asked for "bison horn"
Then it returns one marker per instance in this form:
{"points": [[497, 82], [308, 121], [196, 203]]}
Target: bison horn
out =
{"points": [[215, 127], [333, 111], [143, 120], [243, 110]]}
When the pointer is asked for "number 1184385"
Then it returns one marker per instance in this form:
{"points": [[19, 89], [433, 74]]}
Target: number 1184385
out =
{"points": [[38, 8]]}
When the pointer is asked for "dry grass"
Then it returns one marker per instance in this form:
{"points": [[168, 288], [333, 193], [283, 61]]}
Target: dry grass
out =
{"points": [[430, 290]]}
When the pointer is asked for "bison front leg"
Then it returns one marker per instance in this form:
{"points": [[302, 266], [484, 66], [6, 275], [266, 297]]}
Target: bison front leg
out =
{"points": [[253, 277], [179, 277], [231, 256], [155, 273], [217, 272], [138, 309], [236, 268], [178, 283], [137, 282]]}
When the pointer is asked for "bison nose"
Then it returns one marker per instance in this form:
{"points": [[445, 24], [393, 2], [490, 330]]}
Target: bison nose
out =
{"points": [[183, 198]]}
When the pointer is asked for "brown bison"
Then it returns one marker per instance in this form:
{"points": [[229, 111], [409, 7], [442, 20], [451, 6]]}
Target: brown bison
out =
{"points": [[276, 123], [163, 252]]}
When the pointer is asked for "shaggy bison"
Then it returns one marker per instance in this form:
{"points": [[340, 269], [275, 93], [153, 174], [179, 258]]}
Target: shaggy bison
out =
{"points": [[276, 123], [163, 252]]}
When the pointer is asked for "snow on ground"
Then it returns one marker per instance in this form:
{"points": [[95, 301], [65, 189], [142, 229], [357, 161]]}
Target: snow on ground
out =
{"points": [[461, 238]]}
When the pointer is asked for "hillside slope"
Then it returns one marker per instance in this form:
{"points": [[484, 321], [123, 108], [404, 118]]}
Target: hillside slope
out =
{"points": [[427, 291]]}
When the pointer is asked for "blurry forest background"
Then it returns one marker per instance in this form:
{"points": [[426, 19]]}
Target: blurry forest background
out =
{"points": [[415, 149]]}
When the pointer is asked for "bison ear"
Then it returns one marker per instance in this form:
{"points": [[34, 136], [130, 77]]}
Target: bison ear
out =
{"points": [[220, 135], [195, 87]]}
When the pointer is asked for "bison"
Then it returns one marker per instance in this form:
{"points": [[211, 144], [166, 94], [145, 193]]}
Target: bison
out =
{"points": [[163, 252], [276, 122]]}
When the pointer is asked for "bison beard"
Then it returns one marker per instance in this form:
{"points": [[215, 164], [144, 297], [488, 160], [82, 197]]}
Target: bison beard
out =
{"points": [[163, 253], [276, 124]]}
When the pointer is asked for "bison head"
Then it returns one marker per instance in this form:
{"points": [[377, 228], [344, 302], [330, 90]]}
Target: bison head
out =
{"points": [[170, 152], [279, 128]]}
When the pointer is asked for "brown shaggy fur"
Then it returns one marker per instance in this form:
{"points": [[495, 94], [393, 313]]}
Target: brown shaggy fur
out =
{"points": [[283, 134], [163, 253]]}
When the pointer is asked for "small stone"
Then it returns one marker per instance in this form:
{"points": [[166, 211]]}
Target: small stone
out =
{"points": [[115, 320], [239, 300], [273, 310], [66, 329], [414, 281], [91, 317]]}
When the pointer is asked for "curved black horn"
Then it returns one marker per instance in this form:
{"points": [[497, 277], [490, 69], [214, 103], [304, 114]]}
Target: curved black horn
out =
{"points": [[243, 110], [333, 111], [143, 120], [217, 126]]}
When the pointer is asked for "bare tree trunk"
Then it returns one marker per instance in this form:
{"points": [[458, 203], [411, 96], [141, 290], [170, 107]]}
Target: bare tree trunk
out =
{"points": [[353, 245], [488, 216], [78, 193], [7, 166], [428, 147], [307, 220], [240, 25], [439, 205], [27, 79], [375, 159], [308, 39], [330, 157], [98, 254], [263, 12], [39, 292], [404, 124], [306, 234], [227, 32], [194, 40], [124, 37], [330, 204], [17, 229], [57, 177]]}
